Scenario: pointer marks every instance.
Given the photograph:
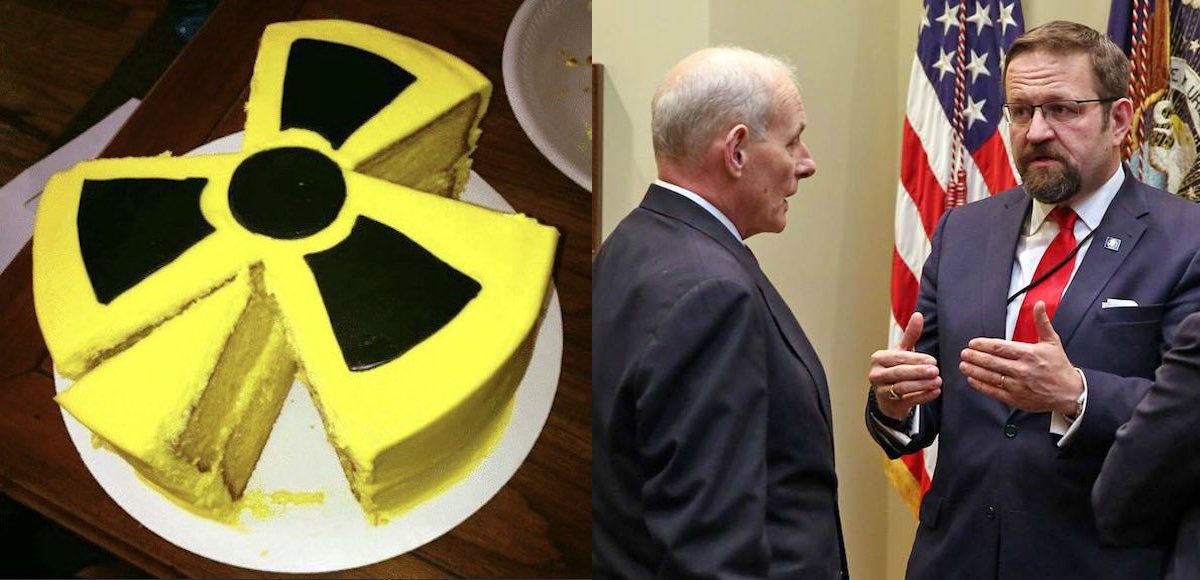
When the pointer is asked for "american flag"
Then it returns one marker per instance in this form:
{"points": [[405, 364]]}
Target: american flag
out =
{"points": [[954, 152]]}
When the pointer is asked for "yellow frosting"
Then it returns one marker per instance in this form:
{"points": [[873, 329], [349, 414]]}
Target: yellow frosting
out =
{"points": [[80, 331], [183, 374], [444, 394], [139, 400], [423, 139]]}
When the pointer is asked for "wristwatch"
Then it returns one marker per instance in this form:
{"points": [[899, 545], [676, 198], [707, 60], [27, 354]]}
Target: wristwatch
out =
{"points": [[897, 424]]}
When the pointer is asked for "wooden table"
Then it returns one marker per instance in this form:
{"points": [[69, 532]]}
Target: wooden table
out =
{"points": [[539, 525]]}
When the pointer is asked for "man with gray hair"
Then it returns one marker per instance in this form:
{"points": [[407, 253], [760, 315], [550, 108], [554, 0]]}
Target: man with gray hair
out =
{"points": [[712, 440]]}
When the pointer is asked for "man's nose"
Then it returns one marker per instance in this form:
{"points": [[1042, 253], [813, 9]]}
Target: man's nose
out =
{"points": [[806, 166], [1039, 128]]}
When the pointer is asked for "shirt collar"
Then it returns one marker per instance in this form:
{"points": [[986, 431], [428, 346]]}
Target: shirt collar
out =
{"points": [[704, 203], [1090, 208]]}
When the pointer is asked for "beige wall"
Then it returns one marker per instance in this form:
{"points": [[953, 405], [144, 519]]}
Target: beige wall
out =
{"points": [[832, 264], [637, 42]]}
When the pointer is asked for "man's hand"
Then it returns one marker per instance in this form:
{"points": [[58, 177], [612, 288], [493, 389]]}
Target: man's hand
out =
{"points": [[903, 379], [1031, 377]]}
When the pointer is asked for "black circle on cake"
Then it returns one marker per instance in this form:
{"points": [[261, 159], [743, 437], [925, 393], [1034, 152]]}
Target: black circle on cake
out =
{"points": [[286, 193]]}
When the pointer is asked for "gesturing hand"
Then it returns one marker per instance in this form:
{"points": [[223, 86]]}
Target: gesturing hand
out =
{"points": [[1032, 377], [903, 379]]}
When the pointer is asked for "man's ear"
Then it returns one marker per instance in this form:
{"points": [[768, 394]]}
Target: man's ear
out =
{"points": [[1120, 116], [734, 150]]}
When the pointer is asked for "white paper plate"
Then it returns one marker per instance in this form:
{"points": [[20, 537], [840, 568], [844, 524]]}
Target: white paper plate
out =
{"points": [[332, 535], [548, 80]]}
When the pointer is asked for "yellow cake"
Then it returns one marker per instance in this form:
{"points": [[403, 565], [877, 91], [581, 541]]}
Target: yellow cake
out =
{"points": [[183, 295]]}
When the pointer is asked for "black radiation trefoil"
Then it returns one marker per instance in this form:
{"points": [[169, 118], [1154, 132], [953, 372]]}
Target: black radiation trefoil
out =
{"points": [[130, 228], [332, 89], [385, 294]]}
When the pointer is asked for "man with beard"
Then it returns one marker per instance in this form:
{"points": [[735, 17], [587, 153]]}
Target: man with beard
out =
{"points": [[712, 439], [1042, 314]]}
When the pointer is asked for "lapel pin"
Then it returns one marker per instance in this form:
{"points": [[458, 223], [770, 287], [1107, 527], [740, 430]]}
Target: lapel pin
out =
{"points": [[1113, 244]]}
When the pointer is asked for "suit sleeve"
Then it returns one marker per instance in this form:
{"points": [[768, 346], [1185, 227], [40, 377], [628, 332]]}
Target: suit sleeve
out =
{"points": [[1112, 398], [702, 434], [1153, 468], [930, 413]]}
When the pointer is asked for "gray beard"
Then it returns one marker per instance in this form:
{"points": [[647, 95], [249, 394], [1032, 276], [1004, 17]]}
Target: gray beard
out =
{"points": [[1051, 185]]}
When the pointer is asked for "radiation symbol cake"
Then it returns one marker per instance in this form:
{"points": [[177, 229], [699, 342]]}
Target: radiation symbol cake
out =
{"points": [[183, 295]]}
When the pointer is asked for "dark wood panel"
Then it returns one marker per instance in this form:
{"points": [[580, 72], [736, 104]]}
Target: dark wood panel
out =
{"points": [[20, 339], [597, 152], [203, 83], [53, 56]]}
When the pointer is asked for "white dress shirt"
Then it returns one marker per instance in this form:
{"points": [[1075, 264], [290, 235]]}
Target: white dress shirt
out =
{"points": [[700, 201], [1035, 238]]}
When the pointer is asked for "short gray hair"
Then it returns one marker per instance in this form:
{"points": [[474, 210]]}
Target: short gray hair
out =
{"points": [[691, 109]]}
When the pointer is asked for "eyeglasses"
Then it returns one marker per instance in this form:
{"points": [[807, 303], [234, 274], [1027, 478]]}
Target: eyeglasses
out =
{"points": [[1055, 112]]}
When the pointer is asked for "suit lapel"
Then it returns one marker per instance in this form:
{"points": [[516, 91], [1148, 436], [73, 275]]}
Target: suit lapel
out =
{"points": [[671, 204], [797, 341], [997, 271], [1121, 221]]}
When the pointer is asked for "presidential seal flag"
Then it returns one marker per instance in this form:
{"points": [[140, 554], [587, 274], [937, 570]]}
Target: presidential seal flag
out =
{"points": [[954, 152], [1162, 40]]}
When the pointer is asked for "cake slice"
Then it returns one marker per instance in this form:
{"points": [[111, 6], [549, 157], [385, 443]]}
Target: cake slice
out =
{"points": [[427, 313], [121, 245], [191, 405], [391, 106]]}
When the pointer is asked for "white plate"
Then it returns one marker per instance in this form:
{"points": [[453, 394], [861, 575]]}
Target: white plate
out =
{"points": [[334, 534], [548, 80]]}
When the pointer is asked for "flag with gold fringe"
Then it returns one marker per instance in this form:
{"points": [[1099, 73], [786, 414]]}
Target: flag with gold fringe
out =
{"points": [[953, 152]]}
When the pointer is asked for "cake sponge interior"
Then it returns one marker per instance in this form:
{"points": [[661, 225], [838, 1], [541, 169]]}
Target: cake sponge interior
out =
{"points": [[191, 405]]}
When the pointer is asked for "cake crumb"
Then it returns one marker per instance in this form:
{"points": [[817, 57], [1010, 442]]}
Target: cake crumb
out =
{"points": [[263, 505], [568, 60]]}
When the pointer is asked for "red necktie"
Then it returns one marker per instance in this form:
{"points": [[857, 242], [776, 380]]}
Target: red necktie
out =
{"points": [[1051, 289]]}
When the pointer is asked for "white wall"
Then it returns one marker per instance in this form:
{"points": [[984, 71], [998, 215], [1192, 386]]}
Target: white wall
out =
{"points": [[832, 263]]}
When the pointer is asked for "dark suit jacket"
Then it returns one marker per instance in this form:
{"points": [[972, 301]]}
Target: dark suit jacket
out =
{"points": [[712, 446], [1147, 489], [1005, 501]]}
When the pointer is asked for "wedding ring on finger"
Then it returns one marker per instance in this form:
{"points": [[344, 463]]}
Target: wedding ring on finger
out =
{"points": [[1002, 379], [892, 393]]}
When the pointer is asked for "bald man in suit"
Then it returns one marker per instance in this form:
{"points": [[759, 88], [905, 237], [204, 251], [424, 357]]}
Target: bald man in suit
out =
{"points": [[711, 432]]}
